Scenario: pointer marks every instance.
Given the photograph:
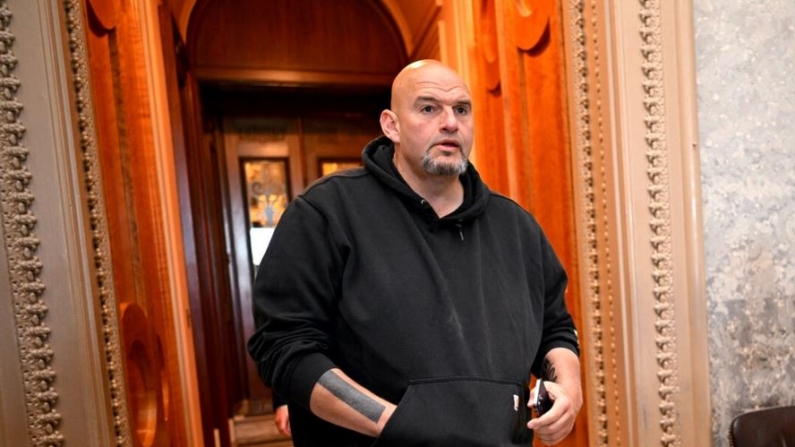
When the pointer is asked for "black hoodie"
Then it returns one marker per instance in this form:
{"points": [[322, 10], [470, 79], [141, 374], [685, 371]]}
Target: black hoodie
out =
{"points": [[446, 317]]}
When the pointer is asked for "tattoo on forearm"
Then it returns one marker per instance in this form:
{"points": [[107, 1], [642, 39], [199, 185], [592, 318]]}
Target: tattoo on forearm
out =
{"points": [[357, 400], [548, 371]]}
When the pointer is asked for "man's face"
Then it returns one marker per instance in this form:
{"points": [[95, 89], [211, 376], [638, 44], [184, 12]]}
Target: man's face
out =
{"points": [[434, 115]]}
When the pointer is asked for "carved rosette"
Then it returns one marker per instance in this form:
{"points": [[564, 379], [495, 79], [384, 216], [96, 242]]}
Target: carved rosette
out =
{"points": [[659, 208], [22, 244], [99, 226]]}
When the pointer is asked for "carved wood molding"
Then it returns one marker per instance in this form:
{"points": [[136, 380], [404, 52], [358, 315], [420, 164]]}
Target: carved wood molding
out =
{"points": [[531, 19], [290, 78], [598, 295], [488, 48], [107, 12], [660, 209], [626, 173], [99, 226], [19, 222]]}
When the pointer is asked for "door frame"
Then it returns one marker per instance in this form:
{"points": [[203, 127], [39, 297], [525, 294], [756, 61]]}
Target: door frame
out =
{"points": [[634, 127]]}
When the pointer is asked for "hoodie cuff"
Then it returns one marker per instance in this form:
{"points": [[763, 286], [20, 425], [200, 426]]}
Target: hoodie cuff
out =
{"points": [[561, 344], [306, 373]]}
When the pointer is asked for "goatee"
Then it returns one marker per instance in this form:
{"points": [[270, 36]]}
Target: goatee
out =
{"points": [[435, 167]]}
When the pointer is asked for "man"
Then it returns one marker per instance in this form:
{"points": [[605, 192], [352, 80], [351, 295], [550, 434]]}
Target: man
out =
{"points": [[406, 302]]}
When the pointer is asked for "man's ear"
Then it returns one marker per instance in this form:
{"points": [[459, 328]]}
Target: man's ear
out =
{"points": [[390, 125]]}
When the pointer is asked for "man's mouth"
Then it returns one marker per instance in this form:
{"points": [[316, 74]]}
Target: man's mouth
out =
{"points": [[449, 144]]}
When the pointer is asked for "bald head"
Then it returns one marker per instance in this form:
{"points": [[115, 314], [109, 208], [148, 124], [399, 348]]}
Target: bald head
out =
{"points": [[426, 72], [430, 122]]}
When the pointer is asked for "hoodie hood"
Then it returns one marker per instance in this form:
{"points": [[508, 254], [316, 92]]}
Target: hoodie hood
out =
{"points": [[377, 159]]}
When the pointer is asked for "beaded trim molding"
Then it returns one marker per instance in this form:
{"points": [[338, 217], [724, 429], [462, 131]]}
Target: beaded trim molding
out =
{"points": [[99, 226], [598, 296], [660, 210], [19, 222]]}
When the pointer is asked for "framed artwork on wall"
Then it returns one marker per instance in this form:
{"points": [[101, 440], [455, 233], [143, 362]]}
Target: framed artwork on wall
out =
{"points": [[326, 166], [267, 192]]}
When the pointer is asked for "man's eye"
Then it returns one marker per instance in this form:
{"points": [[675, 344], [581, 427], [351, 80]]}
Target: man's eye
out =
{"points": [[427, 109], [462, 110]]}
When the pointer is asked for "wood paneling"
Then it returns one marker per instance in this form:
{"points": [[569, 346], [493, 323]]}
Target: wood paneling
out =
{"points": [[489, 154], [133, 206], [291, 78], [349, 36], [417, 23]]}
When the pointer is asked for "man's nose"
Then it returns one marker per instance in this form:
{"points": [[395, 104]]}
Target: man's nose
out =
{"points": [[450, 120]]}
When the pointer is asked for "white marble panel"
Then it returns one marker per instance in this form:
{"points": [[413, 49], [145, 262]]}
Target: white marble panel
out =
{"points": [[745, 51]]}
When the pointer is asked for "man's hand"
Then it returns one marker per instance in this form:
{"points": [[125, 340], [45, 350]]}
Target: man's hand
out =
{"points": [[562, 380], [558, 422], [281, 417]]}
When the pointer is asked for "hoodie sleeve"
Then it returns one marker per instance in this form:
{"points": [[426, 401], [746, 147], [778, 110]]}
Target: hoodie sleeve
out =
{"points": [[559, 330], [294, 301]]}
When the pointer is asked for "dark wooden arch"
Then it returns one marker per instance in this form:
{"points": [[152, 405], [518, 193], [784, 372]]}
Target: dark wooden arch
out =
{"points": [[295, 42]]}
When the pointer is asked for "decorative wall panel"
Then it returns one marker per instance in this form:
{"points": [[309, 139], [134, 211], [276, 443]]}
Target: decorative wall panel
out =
{"points": [[22, 243]]}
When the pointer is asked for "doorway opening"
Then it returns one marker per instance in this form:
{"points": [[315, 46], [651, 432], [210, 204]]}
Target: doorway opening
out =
{"points": [[272, 95], [269, 144]]}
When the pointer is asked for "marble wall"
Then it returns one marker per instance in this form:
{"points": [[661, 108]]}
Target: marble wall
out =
{"points": [[745, 57]]}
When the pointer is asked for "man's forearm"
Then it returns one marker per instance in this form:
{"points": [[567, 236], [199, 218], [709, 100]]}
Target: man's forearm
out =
{"points": [[338, 399]]}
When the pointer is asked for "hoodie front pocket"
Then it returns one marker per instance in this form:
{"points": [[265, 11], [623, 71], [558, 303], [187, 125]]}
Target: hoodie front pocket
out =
{"points": [[460, 412]]}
